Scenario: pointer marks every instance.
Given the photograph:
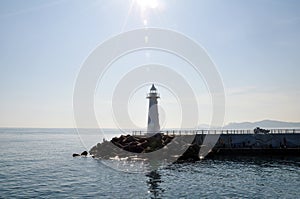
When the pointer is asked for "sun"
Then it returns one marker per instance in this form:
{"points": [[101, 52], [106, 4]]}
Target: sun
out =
{"points": [[146, 4], [146, 9]]}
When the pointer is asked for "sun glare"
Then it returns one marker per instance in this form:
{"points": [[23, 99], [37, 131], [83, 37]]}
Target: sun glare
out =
{"points": [[144, 4], [145, 7]]}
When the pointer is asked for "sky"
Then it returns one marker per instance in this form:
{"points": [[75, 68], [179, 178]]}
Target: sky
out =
{"points": [[255, 46]]}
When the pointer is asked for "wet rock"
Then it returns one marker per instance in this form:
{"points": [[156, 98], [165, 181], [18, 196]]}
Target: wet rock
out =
{"points": [[84, 153], [75, 154]]}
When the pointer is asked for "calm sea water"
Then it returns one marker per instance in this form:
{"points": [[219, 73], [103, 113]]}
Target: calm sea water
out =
{"points": [[38, 163]]}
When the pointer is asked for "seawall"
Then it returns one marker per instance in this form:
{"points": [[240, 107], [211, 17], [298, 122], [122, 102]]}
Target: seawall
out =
{"points": [[282, 144], [192, 145]]}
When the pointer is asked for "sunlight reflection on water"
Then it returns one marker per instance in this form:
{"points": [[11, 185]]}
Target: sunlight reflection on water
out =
{"points": [[38, 163]]}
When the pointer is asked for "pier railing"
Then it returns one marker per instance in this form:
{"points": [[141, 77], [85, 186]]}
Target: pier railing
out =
{"points": [[218, 131]]}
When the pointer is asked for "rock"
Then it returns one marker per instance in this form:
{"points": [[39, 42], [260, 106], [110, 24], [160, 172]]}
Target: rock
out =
{"points": [[143, 144], [75, 154], [191, 154], [129, 139], [134, 148], [93, 150], [166, 141], [135, 144], [115, 140], [118, 145], [158, 136], [84, 153]]}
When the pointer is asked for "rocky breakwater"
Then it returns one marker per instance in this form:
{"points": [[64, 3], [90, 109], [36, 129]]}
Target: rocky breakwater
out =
{"points": [[139, 145]]}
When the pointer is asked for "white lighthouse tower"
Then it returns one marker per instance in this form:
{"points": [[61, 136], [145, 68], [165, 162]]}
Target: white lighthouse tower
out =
{"points": [[153, 122]]}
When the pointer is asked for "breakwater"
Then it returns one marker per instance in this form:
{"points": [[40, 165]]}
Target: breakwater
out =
{"points": [[190, 145], [257, 142]]}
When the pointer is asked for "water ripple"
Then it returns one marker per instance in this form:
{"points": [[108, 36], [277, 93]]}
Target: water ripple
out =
{"points": [[40, 165]]}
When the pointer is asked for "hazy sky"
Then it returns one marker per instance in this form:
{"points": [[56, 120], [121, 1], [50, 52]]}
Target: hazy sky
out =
{"points": [[254, 44]]}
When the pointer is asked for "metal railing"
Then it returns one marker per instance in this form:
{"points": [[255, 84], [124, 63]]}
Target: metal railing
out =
{"points": [[217, 131]]}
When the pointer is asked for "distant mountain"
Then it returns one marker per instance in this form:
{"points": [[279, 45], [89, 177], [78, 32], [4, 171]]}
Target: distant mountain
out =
{"points": [[262, 124], [203, 126]]}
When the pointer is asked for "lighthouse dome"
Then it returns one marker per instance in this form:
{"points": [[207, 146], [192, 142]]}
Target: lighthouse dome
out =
{"points": [[153, 88]]}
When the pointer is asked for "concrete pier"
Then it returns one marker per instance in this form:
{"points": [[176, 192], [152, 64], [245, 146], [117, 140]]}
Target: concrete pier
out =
{"points": [[278, 142]]}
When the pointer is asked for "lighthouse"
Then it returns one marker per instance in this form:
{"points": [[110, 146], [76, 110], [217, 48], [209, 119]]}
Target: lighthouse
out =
{"points": [[153, 122]]}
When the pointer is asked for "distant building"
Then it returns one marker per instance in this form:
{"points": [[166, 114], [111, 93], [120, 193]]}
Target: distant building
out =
{"points": [[153, 121]]}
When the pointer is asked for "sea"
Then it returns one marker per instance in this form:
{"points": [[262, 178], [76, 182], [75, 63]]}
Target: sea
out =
{"points": [[38, 163]]}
